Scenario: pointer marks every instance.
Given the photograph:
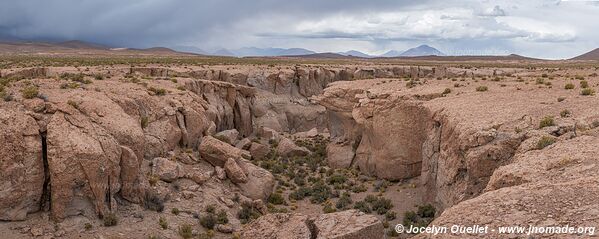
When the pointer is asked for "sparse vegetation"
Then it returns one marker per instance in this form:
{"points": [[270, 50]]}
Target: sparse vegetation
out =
{"points": [[208, 220], [587, 91], [482, 88], [569, 86], [110, 220], [186, 231], [546, 122], [30, 92], [163, 223], [545, 141]]}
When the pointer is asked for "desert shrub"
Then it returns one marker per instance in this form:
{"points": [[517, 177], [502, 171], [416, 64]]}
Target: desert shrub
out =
{"points": [[110, 219], [426, 210], [210, 208], [221, 217], [446, 91], [186, 231], [30, 92], [565, 113], [157, 91], [144, 122], [88, 226], [358, 188], [344, 201], [545, 141], [276, 199], [337, 179], [540, 81], [362, 206], [587, 91], [390, 215], [73, 104], [300, 193], [482, 88], [175, 211], [328, 208], [381, 205], [181, 88], [370, 198], [247, 213], [546, 122], [163, 223], [208, 220], [153, 202], [569, 86], [320, 193], [584, 84]]}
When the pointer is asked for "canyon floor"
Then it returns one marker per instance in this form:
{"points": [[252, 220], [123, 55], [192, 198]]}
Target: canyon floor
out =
{"points": [[195, 147]]}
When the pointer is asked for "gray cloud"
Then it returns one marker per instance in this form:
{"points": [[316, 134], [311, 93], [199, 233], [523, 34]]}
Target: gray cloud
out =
{"points": [[525, 27]]}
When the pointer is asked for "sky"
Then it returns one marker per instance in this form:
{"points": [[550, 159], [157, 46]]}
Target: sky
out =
{"points": [[552, 29]]}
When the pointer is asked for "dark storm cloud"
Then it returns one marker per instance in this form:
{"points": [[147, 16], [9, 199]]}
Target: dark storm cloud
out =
{"points": [[156, 22]]}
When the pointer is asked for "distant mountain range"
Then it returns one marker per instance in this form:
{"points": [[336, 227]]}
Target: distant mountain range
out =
{"points": [[423, 50]]}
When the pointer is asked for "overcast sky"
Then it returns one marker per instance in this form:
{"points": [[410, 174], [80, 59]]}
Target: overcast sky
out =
{"points": [[537, 28]]}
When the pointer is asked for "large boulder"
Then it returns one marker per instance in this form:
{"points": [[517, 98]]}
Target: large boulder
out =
{"points": [[229, 136], [258, 151], [217, 152], [339, 156], [350, 224], [21, 165], [287, 148], [234, 172], [167, 170], [84, 165], [278, 226], [260, 183]]}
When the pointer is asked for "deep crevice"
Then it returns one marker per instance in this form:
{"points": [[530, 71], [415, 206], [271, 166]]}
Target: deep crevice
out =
{"points": [[45, 200], [313, 229]]}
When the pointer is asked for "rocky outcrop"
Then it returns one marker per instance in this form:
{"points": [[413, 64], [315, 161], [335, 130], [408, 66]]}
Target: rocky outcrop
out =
{"points": [[21, 164], [260, 183], [455, 144], [350, 224], [217, 152], [287, 148], [234, 172]]}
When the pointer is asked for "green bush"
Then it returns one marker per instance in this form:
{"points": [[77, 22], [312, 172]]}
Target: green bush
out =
{"points": [[482, 88], [186, 231], [390, 215], [569, 86], [30, 92], [320, 193], [426, 210], [584, 84], [328, 208], [301, 193], [175, 211], [587, 91], [110, 219], [277, 199], [208, 220], [210, 208], [546, 122], [344, 201], [247, 213], [362, 206], [381, 205], [221, 217], [163, 223], [545, 141]]}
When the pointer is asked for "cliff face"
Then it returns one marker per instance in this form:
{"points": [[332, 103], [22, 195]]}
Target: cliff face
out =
{"points": [[454, 142]]}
